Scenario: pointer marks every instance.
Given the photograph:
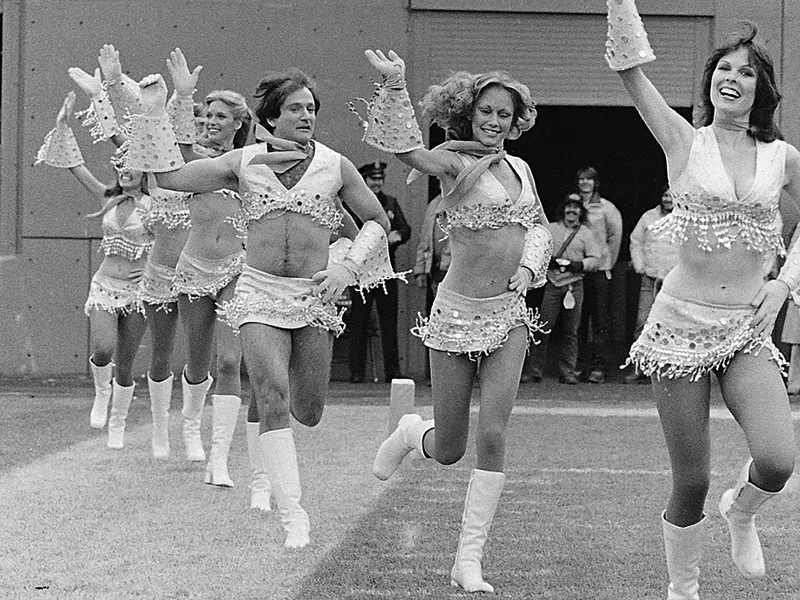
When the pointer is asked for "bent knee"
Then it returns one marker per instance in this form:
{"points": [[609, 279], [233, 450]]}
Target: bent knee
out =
{"points": [[308, 414], [774, 472]]}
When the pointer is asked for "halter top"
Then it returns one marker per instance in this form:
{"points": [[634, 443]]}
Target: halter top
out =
{"points": [[133, 239], [314, 195], [705, 203], [486, 204]]}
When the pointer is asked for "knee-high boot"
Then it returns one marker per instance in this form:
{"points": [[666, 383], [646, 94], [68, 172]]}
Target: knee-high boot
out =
{"points": [[225, 416], [160, 398], [102, 394], [408, 436], [280, 460], [194, 398], [483, 494], [738, 506], [121, 397], [684, 549], [260, 487]]}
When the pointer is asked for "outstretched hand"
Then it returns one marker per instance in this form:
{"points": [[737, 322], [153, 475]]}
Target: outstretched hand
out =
{"points": [[90, 84], [184, 81], [109, 62], [768, 302], [65, 114], [388, 66], [154, 93]]}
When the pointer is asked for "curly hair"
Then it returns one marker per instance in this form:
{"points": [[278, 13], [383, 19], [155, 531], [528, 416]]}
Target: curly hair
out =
{"points": [[238, 107], [450, 103], [572, 198], [767, 96], [275, 87]]}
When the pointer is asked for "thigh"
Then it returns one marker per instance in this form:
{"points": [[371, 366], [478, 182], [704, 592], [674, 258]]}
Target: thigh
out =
{"points": [[452, 376], [266, 352], [129, 336], [162, 325], [103, 325], [199, 321], [683, 409], [500, 373], [310, 372], [753, 390]]}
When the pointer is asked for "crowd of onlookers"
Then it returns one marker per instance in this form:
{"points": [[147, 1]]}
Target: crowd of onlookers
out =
{"points": [[576, 301]]}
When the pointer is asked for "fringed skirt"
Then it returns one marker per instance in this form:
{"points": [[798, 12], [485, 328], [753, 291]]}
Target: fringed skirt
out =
{"points": [[198, 277], [284, 302], [118, 296], [474, 326], [156, 286], [688, 338]]}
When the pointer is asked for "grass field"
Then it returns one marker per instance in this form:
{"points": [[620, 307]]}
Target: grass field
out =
{"points": [[578, 520]]}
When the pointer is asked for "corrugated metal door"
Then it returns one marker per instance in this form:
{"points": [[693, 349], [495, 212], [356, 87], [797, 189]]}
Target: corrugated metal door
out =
{"points": [[559, 56]]}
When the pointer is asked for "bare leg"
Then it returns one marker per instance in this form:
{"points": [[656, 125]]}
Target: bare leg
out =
{"points": [[131, 331], [310, 373], [452, 376], [500, 374], [199, 317], [683, 408], [163, 325], [754, 393]]}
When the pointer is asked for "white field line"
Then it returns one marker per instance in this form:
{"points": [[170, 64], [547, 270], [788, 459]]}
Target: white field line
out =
{"points": [[609, 411]]}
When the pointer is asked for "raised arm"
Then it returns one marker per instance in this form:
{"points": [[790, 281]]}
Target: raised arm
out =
{"points": [[392, 111], [627, 48]]}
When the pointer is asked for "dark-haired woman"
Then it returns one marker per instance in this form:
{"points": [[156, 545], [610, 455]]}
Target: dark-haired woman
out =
{"points": [[715, 312], [492, 214], [283, 306], [114, 306]]}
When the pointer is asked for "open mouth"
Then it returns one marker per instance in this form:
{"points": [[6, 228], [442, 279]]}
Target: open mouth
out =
{"points": [[729, 93]]}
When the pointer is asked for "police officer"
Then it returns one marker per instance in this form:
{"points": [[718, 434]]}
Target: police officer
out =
{"points": [[358, 322]]}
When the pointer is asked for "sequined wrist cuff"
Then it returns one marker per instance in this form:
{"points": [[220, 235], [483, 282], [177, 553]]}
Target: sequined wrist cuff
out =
{"points": [[181, 114], [60, 149], [125, 96], [100, 118], [627, 45], [153, 146], [391, 125], [536, 253]]}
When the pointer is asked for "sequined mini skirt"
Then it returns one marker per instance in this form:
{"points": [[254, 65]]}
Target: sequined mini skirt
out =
{"points": [[156, 286], [688, 338], [198, 277], [284, 302], [474, 326], [118, 296]]}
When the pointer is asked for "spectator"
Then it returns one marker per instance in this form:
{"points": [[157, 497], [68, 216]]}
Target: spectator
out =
{"points": [[605, 222], [361, 309], [577, 253], [790, 334], [652, 256]]}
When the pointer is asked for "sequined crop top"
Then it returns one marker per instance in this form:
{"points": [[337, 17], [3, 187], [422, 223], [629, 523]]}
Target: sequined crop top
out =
{"points": [[706, 207], [169, 208], [486, 204], [133, 239], [314, 195]]}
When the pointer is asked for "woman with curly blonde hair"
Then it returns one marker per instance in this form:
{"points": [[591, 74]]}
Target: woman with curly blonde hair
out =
{"points": [[492, 214]]}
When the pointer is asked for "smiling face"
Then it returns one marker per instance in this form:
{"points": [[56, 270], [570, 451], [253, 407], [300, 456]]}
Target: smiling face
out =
{"points": [[297, 119], [221, 125], [130, 179], [733, 83], [492, 116], [572, 212]]}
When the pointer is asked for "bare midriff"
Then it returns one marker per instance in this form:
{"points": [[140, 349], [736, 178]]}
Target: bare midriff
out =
{"points": [[484, 261], [167, 244], [212, 236], [119, 267]]}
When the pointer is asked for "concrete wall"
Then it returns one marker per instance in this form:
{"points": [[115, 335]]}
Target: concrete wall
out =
{"points": [[47, 247]]}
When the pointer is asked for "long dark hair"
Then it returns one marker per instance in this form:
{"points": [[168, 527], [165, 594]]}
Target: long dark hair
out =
{"points": [[767, 96]]}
